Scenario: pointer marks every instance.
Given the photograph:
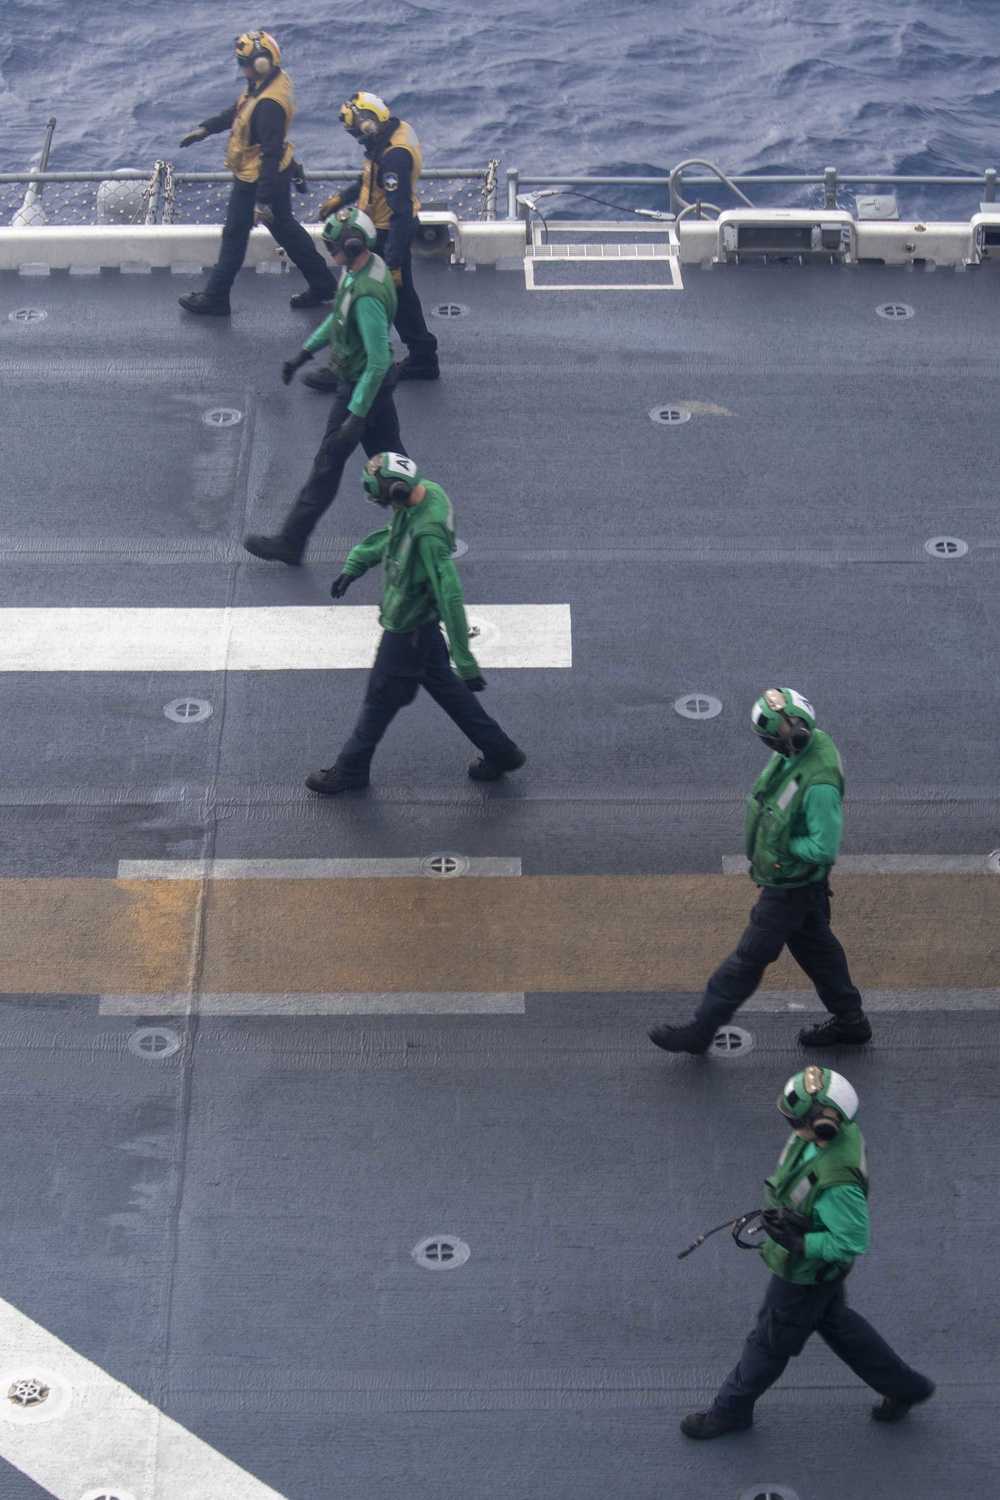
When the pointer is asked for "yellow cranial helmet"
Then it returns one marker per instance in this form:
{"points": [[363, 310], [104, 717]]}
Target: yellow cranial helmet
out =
{"points": [[258, 50], [364, 114]]}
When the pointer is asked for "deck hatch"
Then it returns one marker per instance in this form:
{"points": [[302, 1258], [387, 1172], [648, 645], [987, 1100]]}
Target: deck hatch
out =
{"points": [[597, 259], [154, 1043], [732, 1041], [28, 1392], [946, 546], [441, 1252], [188, 710], [445, 866], [222, 416], [769, 1492], [895, 311], [698, 706]]}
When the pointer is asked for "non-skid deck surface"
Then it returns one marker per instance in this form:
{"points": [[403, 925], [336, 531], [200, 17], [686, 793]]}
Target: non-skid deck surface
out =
{"points": [[207, 1236]]}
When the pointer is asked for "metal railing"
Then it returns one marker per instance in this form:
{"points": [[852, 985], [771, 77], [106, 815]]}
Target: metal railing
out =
{"points": [[166, 196], [830, 180]]}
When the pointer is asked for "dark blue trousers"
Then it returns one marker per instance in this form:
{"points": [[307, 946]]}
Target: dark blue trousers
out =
{"points": [[403, 664], [409, 322], [286, 229], [788, 1316], [380, 435], [800, 920]]}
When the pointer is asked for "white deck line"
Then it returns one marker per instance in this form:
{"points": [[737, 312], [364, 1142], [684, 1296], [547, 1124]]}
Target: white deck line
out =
{"points": [[276, 638], [298, 869], [98, 1434], [412, 1004], [799, 1001], [888, 864]]}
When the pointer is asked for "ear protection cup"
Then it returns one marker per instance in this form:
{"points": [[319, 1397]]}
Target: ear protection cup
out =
{"points": [[799, 736], [825, 1129], [352, 248], [258, 50], [400, 491]]}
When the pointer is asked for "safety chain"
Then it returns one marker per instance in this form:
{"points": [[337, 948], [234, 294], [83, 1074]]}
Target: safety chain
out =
{"points": [[169, 192], [149, 198], [489, 190]]}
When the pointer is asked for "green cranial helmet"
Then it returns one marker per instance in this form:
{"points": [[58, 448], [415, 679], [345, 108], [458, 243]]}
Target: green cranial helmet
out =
{"points": [[805, 1095], [349, 230], [773, 717], [389, 477]]}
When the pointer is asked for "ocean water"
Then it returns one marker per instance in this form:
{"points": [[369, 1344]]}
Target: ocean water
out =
{"points": [[558, 86]]}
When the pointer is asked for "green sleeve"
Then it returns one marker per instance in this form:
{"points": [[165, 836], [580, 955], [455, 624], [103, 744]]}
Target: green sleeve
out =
{"points": [[373, 326], [447, 588], [316, 340], [820, 844], [368, 553], [843, 1213]]}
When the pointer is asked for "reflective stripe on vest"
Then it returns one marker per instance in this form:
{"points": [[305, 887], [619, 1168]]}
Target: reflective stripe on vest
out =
{"points": [[372, 199], [242, 157]]}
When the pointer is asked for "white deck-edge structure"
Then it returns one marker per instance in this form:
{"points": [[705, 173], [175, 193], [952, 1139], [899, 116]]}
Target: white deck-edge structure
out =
{"points": [[36, 250]]}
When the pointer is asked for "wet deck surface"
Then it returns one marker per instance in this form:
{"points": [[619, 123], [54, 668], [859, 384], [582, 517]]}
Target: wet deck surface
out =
{"points": [[227, 1229]]}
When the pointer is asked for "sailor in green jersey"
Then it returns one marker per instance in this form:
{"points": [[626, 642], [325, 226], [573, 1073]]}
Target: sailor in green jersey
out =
{"points": [[421, 592], [792, 838], [816, 1221], [357, 336]]}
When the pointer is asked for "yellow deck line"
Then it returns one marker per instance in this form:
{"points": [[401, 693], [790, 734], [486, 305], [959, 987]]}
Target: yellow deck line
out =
{"points": [[536, 934]]}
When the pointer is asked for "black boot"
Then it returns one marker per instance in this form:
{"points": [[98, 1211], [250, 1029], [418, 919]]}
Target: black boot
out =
{"points": [[313, 296], [711, 1424], [835, 1032], [272, 549], [694, 1037], [414, 368], [331, 780], [323, 380], [200, 302], [888, 1410], [491, 770]]}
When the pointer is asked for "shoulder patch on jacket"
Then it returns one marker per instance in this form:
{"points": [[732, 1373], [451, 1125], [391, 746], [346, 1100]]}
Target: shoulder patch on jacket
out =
{"points": [[391, 181]]}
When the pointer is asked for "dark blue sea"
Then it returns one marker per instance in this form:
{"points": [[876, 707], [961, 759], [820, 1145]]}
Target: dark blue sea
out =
{"points": [[557, 86]]}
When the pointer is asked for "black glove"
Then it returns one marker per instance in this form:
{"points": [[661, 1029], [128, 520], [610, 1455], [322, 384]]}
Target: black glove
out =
{"points": [[476, 684], [194, 135], [295, 363], [263, 213], [340, 585], [350, 429], [777, 1228], [299, 177]]}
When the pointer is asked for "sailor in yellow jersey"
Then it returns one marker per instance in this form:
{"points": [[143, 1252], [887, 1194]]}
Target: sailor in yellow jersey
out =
{"points": [[261, 159], [386, 192]]}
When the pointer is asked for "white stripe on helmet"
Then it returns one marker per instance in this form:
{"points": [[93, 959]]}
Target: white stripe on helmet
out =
{"points": [[842, 1096], [796, 700]]}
